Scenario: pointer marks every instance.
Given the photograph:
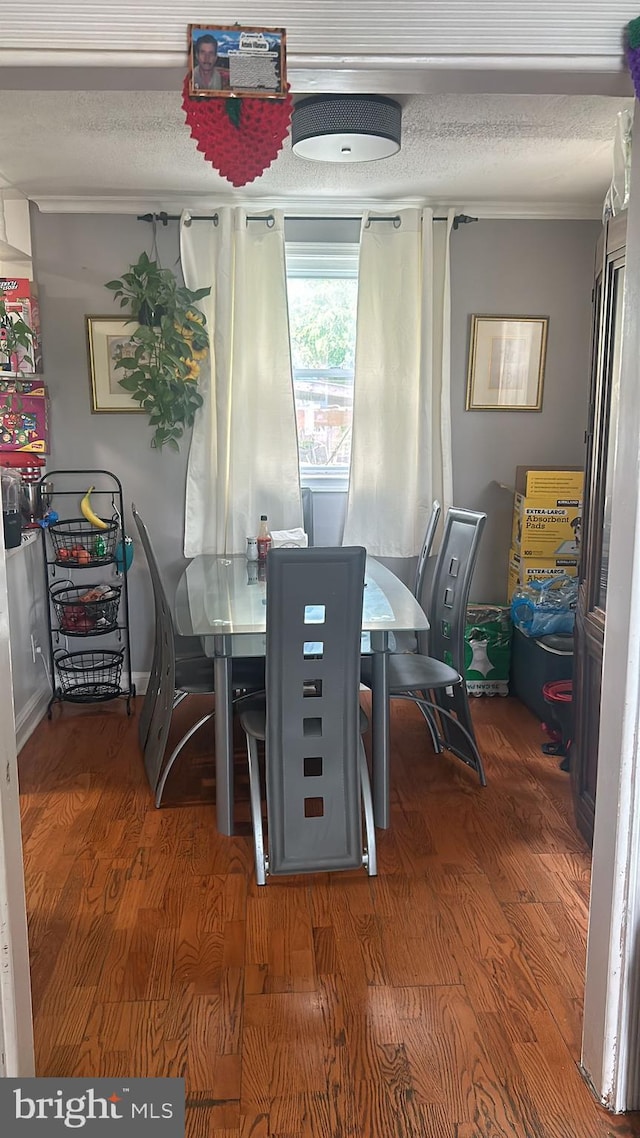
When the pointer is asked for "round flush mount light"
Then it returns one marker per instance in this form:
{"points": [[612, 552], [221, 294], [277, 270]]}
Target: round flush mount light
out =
{"points": [[346, 128]]}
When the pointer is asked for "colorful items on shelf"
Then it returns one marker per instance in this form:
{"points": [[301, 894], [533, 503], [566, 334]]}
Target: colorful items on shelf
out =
{"points": [[23, 394], [20, 298], [24, 421]]}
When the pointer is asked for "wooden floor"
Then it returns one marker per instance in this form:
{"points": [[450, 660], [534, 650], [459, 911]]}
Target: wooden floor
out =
{"points": [[441, 1000]]}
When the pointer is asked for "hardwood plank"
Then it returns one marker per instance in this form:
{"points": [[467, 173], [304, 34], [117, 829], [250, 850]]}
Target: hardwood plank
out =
{"points": [[442, 998]]}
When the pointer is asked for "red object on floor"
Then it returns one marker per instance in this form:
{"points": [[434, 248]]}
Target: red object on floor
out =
{"points": [[558, 691]]}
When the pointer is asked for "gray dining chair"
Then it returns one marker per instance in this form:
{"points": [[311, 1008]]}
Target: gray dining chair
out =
{"points": [[435, 681], [316, 775], [179, 668], [307, 512], [411, 641]]}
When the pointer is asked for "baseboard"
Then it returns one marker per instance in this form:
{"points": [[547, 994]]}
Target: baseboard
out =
{"points": [[140, 681], [30, 715], [36, 708]]}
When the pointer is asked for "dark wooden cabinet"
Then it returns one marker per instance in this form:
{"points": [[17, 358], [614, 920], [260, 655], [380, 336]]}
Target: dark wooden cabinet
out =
{"points": [[596, 526]]}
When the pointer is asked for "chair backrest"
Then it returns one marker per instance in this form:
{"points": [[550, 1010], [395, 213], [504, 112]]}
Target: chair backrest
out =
{"points": [[421, 568], [314, 618], [307, 512], [163, 616], [155, 718], [451, 585]]}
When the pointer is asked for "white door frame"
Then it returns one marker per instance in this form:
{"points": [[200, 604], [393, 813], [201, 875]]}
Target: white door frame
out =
{"points": [[610, 1043], [610, 1035], [16, 1024]]}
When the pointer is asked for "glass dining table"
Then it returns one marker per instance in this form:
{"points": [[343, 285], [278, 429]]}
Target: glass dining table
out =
{"points": [[223, 601]]}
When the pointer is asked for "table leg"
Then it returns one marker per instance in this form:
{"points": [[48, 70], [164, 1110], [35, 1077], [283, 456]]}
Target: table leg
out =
{"points": [[380, 728], [223, 739]]}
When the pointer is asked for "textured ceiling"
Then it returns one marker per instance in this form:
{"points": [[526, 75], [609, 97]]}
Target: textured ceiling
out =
{"points": [[455, 149]]}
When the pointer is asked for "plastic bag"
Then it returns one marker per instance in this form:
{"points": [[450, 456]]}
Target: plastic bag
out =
{"points": [[617, 196], [545, 607]]}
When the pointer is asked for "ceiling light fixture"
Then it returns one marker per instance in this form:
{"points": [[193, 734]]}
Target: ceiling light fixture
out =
{"points": [[346, 128]]}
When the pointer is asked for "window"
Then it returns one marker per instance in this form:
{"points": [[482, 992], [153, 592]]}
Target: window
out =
{"points": [[322, 282]]}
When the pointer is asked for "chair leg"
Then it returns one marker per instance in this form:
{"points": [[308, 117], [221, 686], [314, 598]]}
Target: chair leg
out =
{"points": [[475, 761], [431, 724], [174, 754], [369, 823], [256, 810]]}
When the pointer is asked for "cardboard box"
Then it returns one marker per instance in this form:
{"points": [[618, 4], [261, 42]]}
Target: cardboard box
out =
{"points": [[522, 570], [550, 482], [545, 527], [24, 423], [547, 512], [21, 301], [487, 649]]}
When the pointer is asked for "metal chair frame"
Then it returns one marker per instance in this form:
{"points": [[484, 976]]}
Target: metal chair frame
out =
{"points": [[179, 668], [434, 680], [310, 718]]}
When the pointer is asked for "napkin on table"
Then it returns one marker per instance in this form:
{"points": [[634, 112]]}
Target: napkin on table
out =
{"points": [[289, 539]]}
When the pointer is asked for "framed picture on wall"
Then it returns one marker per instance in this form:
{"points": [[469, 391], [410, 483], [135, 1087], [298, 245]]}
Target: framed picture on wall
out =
{"points": [[108, 340], [231, 61], [506, 363]]}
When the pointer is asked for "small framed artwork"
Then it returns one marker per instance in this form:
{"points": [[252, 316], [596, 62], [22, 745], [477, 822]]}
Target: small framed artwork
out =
{"points": [[506, 363], [108, 340], [231, 61]]}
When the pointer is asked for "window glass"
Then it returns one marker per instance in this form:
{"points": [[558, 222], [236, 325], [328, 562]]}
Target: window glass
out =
{"points": [[322, 286]]}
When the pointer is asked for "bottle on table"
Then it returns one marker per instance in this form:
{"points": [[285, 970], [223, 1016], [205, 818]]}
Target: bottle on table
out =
{"points": [[264, 538]]}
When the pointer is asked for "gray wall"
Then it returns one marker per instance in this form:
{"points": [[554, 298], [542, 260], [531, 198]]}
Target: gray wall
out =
{"points": [[74, 255], [526, 268], [529, 268]]}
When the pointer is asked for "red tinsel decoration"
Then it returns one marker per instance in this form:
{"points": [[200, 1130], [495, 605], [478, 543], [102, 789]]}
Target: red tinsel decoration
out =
{"points": [[240, 153]]}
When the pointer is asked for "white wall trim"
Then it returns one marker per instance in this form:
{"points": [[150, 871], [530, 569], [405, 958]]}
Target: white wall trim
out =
{"points": [[30, 716], [140, 681], [611, 1041], [17, 1058], [308, 61], [328, 206]]}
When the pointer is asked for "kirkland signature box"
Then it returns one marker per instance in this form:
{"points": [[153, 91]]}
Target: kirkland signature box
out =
{"points": [[550, 482], [523, 570], [547, 513], [545, 529]]}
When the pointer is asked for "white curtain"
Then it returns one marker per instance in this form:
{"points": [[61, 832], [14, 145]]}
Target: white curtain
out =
{"points": [[243, 460], [401, 449]]}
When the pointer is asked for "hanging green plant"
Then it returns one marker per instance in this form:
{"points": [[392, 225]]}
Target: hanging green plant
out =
{"points": [[168, 347]]}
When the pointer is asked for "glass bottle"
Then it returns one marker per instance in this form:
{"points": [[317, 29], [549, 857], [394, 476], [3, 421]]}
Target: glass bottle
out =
{"points": [[264, 538]]}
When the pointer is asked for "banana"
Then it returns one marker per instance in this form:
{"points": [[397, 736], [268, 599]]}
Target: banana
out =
{"points": [[85, 506]]}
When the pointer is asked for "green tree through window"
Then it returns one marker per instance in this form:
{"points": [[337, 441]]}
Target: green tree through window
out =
{"points": [[322, 320]]}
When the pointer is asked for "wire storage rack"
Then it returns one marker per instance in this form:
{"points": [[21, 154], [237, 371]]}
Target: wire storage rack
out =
{"points": [[96, 608]]}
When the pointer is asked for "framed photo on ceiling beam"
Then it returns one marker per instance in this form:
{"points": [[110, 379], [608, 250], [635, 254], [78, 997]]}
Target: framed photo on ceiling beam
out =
{"points": [[506, 363], [235, 61]]}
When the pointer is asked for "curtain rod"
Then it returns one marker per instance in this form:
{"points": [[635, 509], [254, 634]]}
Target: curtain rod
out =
{"points": [[165, 218]]}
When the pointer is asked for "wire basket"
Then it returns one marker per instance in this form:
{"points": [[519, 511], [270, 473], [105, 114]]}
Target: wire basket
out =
{"points": [[90, 610], [77, 542], [86, 677]]}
